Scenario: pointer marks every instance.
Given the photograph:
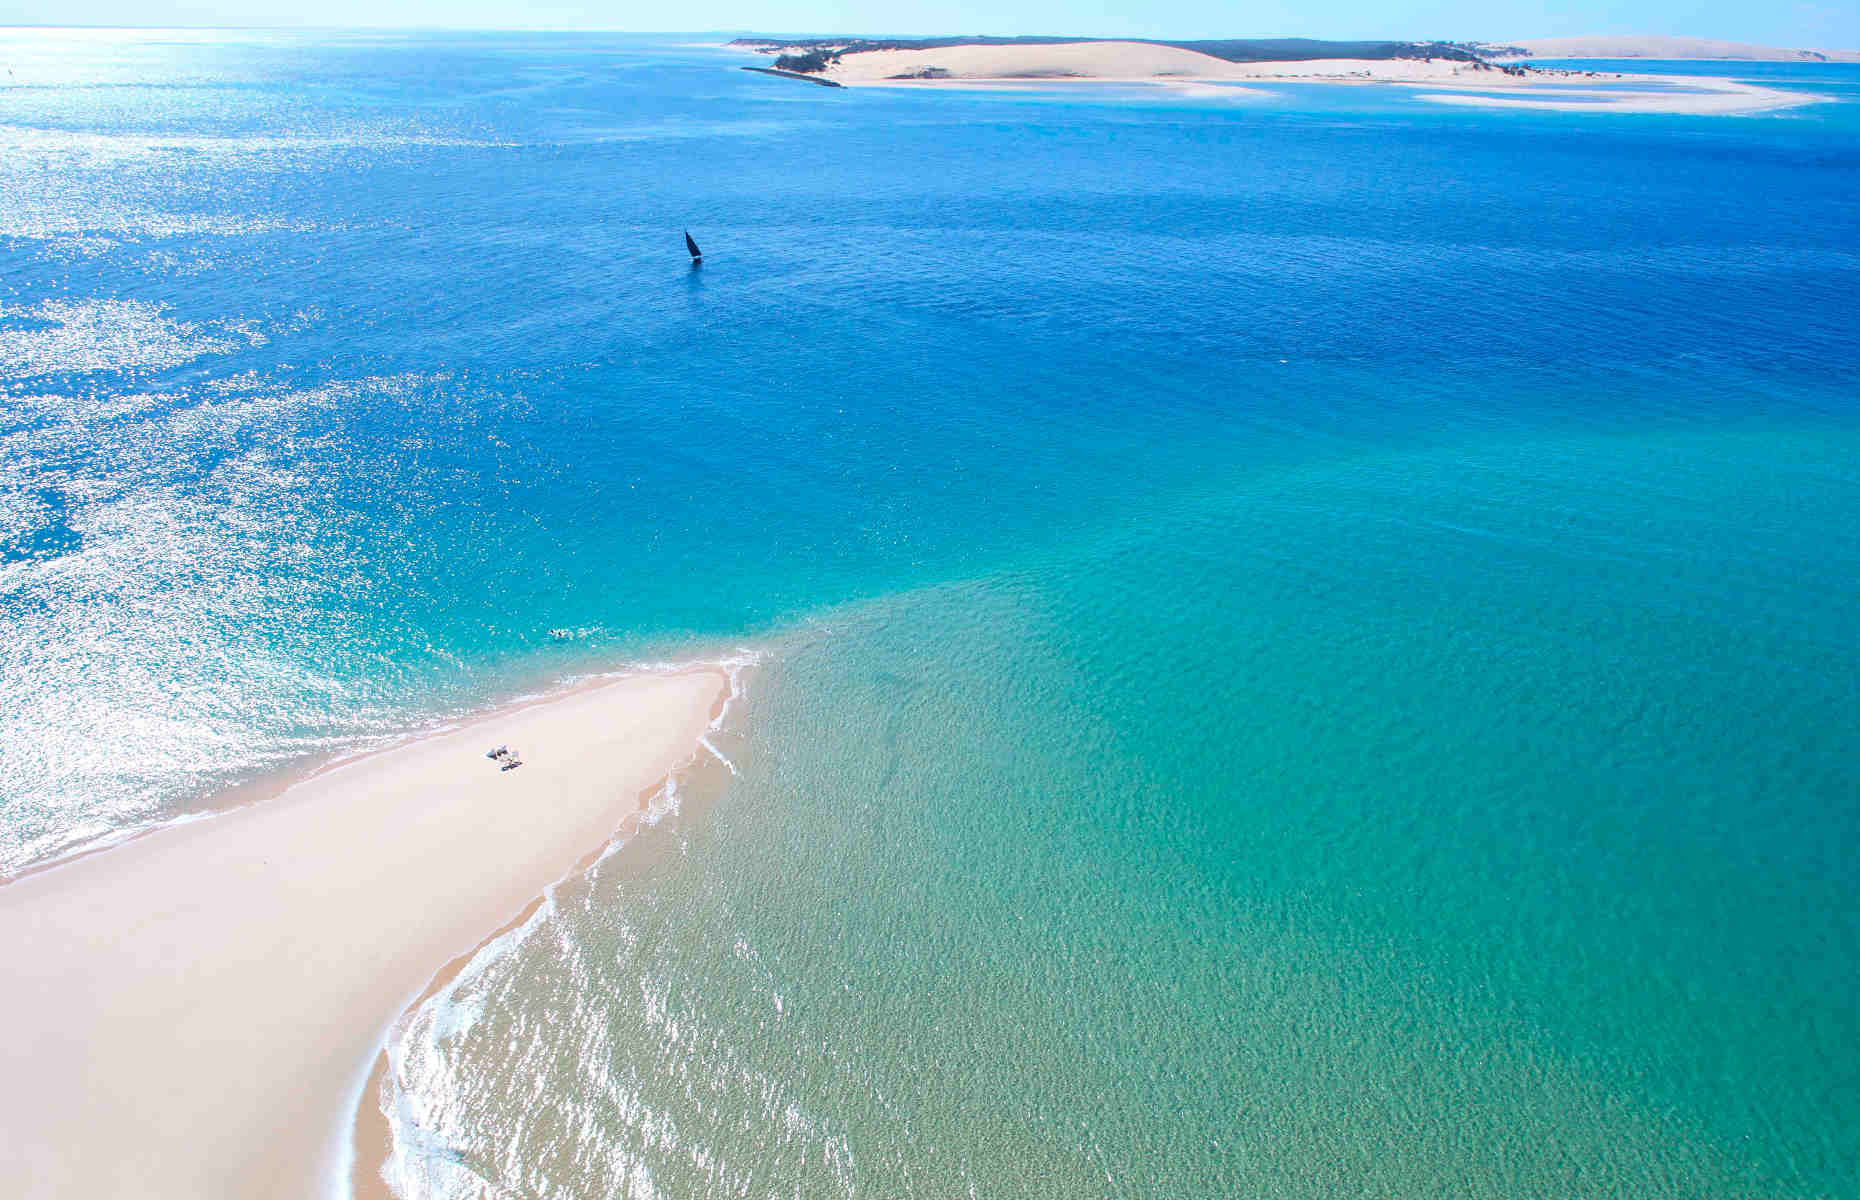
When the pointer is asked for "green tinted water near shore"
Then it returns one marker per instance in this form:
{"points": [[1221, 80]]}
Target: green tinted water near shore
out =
{"points": [[1493, 857]]}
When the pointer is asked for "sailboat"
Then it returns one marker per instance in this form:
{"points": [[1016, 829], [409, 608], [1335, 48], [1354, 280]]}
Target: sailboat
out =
{"points": [[697, 256]]}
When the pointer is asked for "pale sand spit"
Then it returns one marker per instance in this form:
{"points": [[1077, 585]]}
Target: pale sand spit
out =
{"points": [[1691, 96], [191, 1014]]}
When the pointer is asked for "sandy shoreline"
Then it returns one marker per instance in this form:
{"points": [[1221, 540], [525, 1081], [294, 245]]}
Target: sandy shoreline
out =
{"points": [[192, 1013], [1179, 69]]}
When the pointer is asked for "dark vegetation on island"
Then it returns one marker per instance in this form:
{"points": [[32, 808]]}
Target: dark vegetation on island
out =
{"points": [[808, 56]]}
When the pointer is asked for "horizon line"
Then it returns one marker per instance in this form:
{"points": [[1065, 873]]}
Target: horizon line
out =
{"points": [[810, 35]]}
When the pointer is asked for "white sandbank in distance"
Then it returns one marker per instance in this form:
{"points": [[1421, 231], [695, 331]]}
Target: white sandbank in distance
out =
{"points": [[1670, 48], [1060, 63], [1694, 96], [191, 1014]]}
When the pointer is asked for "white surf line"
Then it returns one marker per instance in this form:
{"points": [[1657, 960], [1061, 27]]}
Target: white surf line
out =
{"points": [[706, 743]]}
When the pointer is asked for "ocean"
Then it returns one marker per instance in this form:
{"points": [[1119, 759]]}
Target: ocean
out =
{"points": [[1305, 642]]}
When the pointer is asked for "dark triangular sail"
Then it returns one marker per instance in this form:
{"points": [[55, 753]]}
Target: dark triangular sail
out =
{"points": [[692, 246]]}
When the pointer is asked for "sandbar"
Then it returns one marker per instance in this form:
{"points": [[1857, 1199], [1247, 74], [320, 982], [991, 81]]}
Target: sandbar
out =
{"points": [[191, 1014]]}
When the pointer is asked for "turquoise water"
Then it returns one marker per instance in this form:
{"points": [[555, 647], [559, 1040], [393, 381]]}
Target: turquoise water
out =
{"points": [[1308, 641]]}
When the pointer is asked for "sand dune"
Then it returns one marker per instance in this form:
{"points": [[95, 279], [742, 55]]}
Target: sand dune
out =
{"points": [[1126, 61], [190, 1015], [1096, 60]]}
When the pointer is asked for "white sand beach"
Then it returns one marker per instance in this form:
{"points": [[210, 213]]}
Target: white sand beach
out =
{"points": [[191, 1014], [1689, 95], [1446, 80]]}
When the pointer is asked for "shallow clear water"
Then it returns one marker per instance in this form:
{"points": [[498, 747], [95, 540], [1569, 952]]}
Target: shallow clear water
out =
{"points": [[1309, 639]]}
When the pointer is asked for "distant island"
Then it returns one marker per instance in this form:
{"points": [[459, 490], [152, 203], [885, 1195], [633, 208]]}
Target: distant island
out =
{"points": [[1496, 75], [1649, 46], [812, 55]]}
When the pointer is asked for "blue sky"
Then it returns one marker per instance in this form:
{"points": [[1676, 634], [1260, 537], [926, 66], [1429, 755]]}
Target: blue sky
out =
{"points": [[1784, 22]]}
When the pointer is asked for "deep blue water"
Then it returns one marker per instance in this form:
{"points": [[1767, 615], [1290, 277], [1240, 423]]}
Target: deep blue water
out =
{"points": [[1311, 640]]}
